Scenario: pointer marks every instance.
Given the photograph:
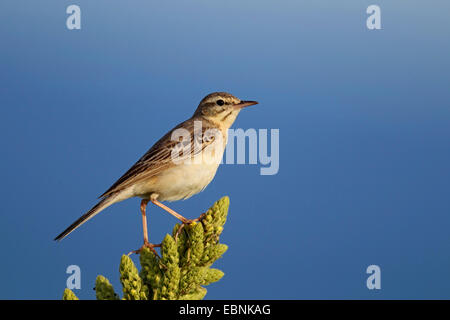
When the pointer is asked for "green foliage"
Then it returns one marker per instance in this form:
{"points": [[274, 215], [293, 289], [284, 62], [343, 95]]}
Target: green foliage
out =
{"points": [[104, 290], [132, 286], [183, 268], [69, 295]]}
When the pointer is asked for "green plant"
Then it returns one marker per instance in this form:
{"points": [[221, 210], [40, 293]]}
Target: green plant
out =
{"points": [[183, 269]]}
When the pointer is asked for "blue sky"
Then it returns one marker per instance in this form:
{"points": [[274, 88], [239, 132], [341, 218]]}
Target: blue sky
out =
{"points": [[364, 120]]}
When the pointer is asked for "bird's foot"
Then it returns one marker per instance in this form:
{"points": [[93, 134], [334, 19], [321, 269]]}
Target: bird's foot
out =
{"points": [[149, 245], [188, 221]]}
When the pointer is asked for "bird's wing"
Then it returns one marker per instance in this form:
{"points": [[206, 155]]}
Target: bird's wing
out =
{"points": [[159, 156]]}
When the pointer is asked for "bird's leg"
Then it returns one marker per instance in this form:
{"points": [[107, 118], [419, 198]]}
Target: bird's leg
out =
{"points": [[144, 219], [172, 212], [145, 231], [177, 215]]}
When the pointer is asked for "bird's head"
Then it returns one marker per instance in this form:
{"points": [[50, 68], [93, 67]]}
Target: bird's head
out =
{"points": [[221, 108]]}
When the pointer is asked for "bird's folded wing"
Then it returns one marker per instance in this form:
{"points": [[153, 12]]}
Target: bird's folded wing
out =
{"points": [[160, 157]]}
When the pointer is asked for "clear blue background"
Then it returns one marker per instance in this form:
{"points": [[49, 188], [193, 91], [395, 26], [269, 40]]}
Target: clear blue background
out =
{"points": [[364, 119]]}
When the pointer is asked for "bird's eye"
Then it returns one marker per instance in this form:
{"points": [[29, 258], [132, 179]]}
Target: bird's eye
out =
{"points": [[220, 102]]}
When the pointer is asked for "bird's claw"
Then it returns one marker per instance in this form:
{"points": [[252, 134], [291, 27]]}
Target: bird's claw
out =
{"points": [[188, 221], [149, 245]]}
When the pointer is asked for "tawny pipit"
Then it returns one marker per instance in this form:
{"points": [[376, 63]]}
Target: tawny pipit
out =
{"points": [[182, 163]]}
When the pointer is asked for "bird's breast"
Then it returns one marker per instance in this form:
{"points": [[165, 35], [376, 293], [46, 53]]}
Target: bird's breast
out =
{"points": [[185, 179]]}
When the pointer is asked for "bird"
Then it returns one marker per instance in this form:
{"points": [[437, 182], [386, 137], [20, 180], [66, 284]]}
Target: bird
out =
{"points": [[179, 165]]}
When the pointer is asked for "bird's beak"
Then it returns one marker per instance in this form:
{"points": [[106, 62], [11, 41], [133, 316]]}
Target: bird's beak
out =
{"points": [[244, 104]]}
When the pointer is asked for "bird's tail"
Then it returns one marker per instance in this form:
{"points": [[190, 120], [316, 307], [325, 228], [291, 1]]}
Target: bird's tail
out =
{"points": [[104, 203]]}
